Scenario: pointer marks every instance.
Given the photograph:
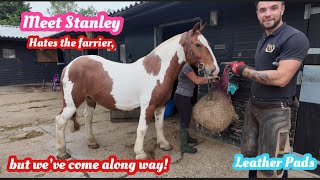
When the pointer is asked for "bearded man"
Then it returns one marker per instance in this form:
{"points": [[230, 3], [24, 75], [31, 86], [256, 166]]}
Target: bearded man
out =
{"points": [[280, 53]]}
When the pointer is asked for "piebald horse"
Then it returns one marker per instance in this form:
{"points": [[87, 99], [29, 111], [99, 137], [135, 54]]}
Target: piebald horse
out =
{"points": [[146, 83]]}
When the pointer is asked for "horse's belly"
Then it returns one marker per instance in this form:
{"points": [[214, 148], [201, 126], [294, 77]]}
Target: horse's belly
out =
{"points": [[129, 91], [127, 105], [126, 99]]}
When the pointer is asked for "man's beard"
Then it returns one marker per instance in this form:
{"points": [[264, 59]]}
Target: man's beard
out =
{"points": [[275, 24]]}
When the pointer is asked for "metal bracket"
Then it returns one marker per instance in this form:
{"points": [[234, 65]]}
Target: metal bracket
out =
{"points": [[310, 85], [314, 51], [299, 78], [310, 10]]}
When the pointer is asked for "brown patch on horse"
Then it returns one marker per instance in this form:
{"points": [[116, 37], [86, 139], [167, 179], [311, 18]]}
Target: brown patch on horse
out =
{"points": [[77, 75], [76, 125], [192, 59], [152, 64], [162, 92], [183, 40], [90, 79]]}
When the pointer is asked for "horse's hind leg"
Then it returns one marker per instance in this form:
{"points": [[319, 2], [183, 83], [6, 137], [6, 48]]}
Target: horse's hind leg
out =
{"points": [[161, 140], [88, 114], [71, 103], [61, 122]]}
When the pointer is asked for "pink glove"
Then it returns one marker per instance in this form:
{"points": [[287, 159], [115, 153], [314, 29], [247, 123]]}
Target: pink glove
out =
{"points": [[237, 67]]}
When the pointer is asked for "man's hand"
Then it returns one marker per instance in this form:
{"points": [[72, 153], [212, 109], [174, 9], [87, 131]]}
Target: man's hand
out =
{"points": [[237, 67]]}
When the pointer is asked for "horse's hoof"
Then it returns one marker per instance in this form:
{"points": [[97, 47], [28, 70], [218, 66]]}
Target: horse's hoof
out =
{"points": [[143, 156], [66, 156], [167, 148], [93, 146]]}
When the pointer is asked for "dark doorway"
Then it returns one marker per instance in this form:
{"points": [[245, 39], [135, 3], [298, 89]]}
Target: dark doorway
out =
{"points": [[61, 61], [93, 52], [60, 56]]}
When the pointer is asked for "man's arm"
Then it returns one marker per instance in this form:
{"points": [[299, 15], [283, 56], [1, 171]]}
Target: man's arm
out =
{"points": [[293, 52], [280, 77]]}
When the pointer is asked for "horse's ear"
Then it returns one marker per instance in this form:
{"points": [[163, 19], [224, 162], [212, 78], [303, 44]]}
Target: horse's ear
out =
{"points": [[202, 27], [195, 27]]}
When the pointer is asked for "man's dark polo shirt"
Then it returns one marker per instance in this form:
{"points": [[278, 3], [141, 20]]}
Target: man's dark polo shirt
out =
{"points": [[285, 43]]}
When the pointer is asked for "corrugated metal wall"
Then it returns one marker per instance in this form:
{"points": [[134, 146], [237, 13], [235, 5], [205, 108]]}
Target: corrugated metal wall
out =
{"points": [[115, 55], [70, 54], [24, 69], [139, 43]]}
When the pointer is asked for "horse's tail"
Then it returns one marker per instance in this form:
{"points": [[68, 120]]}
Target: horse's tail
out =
{"points": [[76, 125]]}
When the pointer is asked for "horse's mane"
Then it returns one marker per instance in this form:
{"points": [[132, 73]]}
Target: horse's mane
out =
{"points": [[166, 41], [160, 46]]}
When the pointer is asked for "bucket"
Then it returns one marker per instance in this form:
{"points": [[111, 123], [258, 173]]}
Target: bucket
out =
{"points": [[169, 109]]}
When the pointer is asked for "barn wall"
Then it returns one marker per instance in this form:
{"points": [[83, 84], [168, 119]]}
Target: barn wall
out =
{"points": [[71, 54], [24, 69], [115, 55], [139, 42]]}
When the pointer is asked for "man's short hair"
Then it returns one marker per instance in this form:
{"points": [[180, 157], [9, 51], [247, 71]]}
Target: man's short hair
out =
{"points": [[259, 1]]}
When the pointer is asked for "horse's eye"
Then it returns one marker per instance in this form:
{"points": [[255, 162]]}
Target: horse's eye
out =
{"points": [[198, 45]]}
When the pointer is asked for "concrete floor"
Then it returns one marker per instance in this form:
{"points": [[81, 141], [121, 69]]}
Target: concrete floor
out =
{"points": [[27, 129]]}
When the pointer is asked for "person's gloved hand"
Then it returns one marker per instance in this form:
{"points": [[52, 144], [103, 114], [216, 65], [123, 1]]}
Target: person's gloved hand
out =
{"points": [[237, 67]]}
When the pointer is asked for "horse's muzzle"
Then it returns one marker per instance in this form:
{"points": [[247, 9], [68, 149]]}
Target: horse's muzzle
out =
{"points": [[217, 78], [214, 75]]}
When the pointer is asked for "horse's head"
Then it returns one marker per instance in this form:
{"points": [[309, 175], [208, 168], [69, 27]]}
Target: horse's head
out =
{"points": [[199, 53]]}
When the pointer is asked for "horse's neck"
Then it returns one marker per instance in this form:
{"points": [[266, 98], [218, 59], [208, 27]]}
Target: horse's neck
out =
{"points": [[172, 56], [167, 49]]}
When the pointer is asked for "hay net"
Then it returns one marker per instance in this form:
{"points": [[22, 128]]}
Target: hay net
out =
{"points": [[215, 111]]}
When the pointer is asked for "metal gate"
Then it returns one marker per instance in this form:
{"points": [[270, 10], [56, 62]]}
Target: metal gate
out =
{"points": [[307, 137]]}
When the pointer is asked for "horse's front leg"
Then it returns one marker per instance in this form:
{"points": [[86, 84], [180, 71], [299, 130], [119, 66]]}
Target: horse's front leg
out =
{"points": [[164, 144], [141, 132]]}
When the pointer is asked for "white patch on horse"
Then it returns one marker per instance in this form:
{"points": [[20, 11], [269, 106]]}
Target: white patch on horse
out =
{"points": [[128, 80], [203, 40], [67, 88]]}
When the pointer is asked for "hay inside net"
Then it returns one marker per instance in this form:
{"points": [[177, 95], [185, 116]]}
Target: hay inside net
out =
{"points": [[215, 111]]}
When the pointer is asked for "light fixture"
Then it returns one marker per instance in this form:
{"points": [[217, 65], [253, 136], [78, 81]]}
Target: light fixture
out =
{"points": [[213, 18]]}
